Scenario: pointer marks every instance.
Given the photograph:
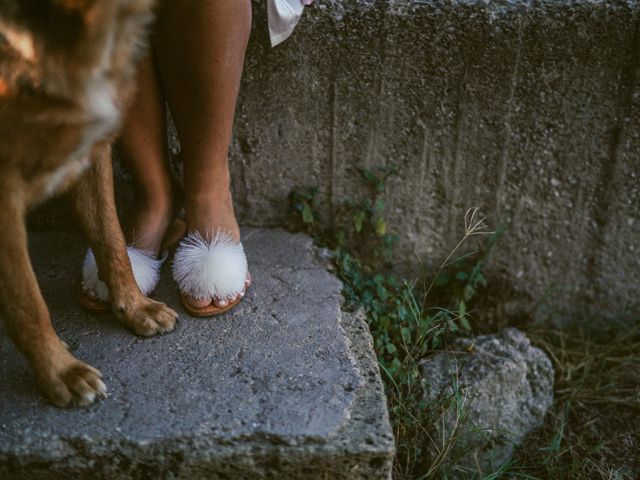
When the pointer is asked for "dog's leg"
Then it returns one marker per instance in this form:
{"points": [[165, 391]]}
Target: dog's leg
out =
{"points": [[95, 206], [63, 378]]}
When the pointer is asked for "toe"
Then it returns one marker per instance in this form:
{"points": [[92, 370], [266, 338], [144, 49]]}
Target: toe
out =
{"points": [[82, 381], [170, 311], [221, 302], [144, 326], [84, 394], [164, 316], [98, 386], [198, 302], [58, 393]]}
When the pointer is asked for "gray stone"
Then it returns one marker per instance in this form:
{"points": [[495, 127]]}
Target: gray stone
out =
{"points": [[479, 103], [505, 387], [286, 385]]}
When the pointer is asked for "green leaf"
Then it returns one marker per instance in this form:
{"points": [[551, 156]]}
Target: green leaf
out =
{"points": [[382, 292], [358, 220], [395, 365], [391, 348], [381, 226], [465, 323], [469, 292], [462, 309], [369, 175], [406, 334], [307, 214], [461, 275]]}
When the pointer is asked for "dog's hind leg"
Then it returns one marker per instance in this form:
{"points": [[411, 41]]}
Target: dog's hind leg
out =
{"points": [[95, 206], [66, 380]]}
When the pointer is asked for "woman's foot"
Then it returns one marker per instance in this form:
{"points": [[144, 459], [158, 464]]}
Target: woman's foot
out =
{"points": [[208, 215], [201, 91]]}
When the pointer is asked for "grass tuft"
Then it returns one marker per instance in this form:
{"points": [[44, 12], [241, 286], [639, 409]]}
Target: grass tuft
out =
{"points": [[407, 322], [592, 431], [597, 393]]}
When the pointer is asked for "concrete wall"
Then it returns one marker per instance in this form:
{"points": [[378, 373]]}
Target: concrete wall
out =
{"points": [[528, 110]]}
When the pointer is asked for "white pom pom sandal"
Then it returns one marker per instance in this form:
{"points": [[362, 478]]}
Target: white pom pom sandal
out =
{"points": [[214, 269], [94, 293]]}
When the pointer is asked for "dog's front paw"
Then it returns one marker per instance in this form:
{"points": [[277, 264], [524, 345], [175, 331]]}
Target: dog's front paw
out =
{"points": [[148, 317], [68, 382]]}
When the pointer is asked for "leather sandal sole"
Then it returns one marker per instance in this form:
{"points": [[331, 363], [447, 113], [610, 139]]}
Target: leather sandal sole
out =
{"points": [[91, 304], [208, 311]]}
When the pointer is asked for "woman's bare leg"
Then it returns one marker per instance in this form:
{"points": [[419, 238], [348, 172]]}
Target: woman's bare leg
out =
{"points": [[144, 142], [200, 47]]}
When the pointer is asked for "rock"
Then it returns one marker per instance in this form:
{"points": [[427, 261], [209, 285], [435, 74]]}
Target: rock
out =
{"points": [[286, 385], [506, 388]]}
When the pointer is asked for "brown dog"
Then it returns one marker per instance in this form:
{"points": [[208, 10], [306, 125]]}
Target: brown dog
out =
{"points": [[67, 72]]}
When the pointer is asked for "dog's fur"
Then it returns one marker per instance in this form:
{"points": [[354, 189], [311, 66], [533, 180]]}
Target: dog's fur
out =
{"points": [[67, 72]]}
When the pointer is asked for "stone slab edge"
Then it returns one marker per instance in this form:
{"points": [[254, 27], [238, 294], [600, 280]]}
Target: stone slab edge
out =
{"points": [[362, 449]]}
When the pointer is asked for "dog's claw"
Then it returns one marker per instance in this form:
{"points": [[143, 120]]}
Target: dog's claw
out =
{"points": [[87, 399]]}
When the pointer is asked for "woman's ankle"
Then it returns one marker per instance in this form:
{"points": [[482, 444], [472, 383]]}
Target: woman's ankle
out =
{"points": [[210, 213], [147, 221]]}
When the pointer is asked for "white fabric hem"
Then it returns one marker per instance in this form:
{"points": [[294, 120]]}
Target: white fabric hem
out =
{"points": [[278, 38], [283, 15]]}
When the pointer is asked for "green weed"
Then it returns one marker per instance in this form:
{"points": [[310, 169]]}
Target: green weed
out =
{"points": [[405, 325], [596, 369]]}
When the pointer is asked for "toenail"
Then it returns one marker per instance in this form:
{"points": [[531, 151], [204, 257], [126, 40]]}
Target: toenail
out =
{"points": [[222, 303], [102, 388]]}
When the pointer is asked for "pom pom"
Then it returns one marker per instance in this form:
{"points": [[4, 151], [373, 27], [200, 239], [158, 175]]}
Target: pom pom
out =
{"points": [[215, 268], [146, 271]]}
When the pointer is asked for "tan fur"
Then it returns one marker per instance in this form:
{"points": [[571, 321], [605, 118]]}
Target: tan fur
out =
{"points": [[67, 72]]}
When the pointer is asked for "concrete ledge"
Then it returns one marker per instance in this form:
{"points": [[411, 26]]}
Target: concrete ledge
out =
{"points": [[285, 386], [528, 110]]}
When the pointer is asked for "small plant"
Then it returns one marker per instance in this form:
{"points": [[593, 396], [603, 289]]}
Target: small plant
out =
{"points": [[595, 369], [304, 203], [404, 325]]}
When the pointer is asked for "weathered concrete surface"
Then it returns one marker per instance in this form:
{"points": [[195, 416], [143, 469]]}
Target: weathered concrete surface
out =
{"points": [[284, 386], [506, 388], [529, 110]]}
